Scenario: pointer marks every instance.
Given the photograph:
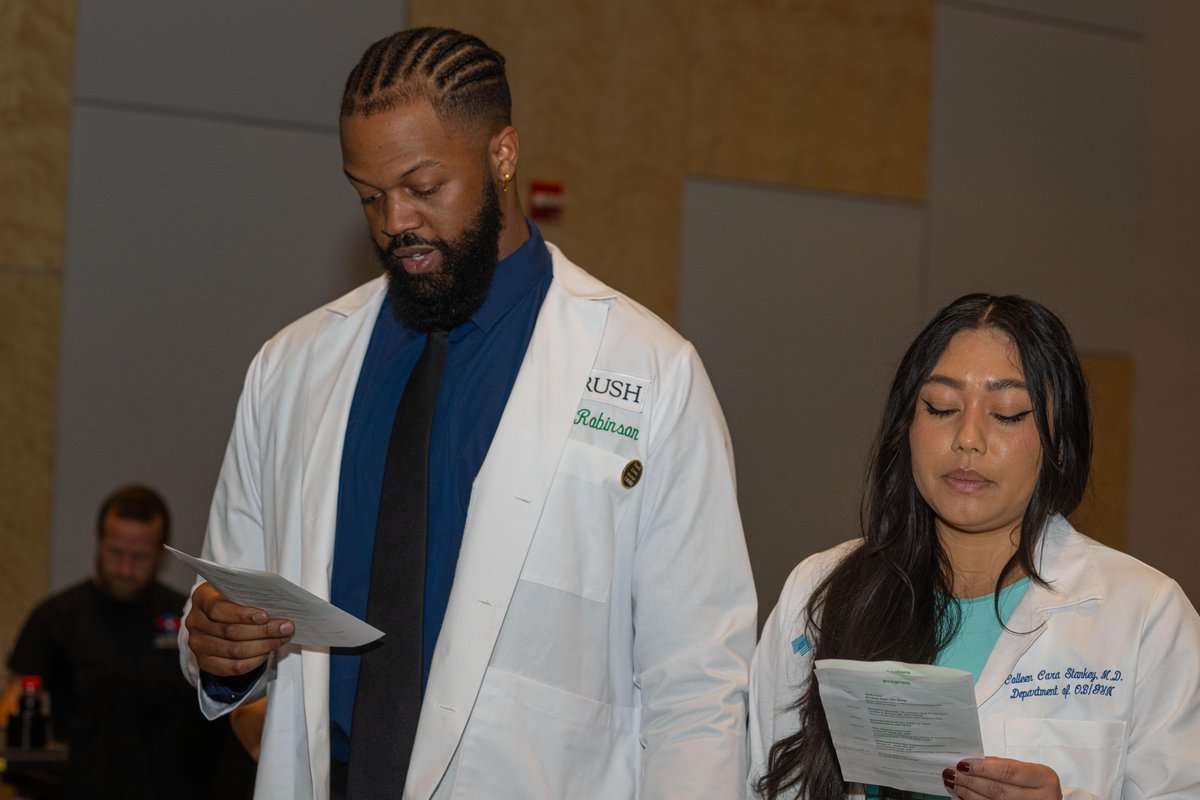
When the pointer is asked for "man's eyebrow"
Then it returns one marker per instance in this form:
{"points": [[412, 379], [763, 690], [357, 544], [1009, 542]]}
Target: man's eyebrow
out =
{"points": [[993, 385], [429, 162]]}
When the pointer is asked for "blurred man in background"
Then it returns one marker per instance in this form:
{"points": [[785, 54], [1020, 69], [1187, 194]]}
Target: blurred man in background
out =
{"points": [[107, 652]]}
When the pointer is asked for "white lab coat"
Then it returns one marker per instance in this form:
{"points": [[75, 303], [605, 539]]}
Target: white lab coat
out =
{"points": [[597, 638], [1132, 734]]}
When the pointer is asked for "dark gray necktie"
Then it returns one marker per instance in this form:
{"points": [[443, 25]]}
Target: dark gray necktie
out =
{"points": [[387, 702]]}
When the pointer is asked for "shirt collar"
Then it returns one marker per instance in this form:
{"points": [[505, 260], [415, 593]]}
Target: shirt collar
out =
{"points": [[515, 275], [1065, 562]]}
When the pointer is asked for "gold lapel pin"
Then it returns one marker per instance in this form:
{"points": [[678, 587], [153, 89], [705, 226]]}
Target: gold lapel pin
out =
{"points": [[631, 474]]}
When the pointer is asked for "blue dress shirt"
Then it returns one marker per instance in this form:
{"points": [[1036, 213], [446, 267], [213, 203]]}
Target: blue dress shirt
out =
{"points": [[484, 356]]}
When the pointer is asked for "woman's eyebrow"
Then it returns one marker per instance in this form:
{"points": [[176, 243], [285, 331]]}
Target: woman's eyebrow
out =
{"points": [[1000, 384], [945, 380], [992, 385]]}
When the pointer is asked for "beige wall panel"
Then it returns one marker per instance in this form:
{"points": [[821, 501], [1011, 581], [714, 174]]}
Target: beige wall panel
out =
{"points": [[620, 100], [821, 94], [36, 46], [1102, 514], [28, 364], [36, 49], [599, 95]]}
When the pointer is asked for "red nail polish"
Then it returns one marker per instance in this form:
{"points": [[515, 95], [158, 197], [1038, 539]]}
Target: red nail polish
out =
{"points": [[964, 766], [948, 776]]}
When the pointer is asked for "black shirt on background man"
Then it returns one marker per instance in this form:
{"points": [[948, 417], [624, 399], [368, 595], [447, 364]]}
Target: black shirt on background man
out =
{"points": [[107, 652]]}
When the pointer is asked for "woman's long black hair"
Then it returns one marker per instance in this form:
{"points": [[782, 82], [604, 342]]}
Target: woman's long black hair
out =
{"points": [[888, 599]]}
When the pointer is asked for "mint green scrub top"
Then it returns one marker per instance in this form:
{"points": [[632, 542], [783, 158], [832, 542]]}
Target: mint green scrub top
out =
{"points": [[970, 649]]}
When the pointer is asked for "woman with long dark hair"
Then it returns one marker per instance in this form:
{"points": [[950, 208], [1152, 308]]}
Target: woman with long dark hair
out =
{"points": [[1086, 661]]}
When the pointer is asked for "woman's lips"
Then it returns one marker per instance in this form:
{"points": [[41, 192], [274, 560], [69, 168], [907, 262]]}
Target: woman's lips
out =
{"points": [[966, 480]]}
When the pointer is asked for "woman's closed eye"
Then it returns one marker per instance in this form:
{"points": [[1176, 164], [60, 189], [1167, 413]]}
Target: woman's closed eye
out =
{"points": [[935, 411]]}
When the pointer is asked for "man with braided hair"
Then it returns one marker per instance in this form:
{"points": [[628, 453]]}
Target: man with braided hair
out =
{"points": [[579, 610]]}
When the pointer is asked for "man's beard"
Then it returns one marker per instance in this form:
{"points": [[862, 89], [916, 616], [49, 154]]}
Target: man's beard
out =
{"points": [[448, 297], [122, 589]]}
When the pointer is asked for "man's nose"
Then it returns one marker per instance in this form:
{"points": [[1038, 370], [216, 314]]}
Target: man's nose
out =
{"points": [[399, 216]]}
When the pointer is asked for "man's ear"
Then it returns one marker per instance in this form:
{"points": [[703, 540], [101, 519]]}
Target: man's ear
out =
{"points": [[503, 151]]}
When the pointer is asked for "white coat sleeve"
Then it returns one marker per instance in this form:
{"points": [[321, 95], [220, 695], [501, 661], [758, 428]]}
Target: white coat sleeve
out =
{"points": [[235, 528], [1163, 759], [694, 607], [782, 663]]}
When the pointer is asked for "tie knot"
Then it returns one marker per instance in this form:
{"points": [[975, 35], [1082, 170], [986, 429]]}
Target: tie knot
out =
{"points": [[436, 344]]}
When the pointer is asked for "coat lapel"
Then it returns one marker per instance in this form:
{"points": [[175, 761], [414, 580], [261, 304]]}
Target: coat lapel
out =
{"points": [[1028, 621], [506, 503], [335, 358], [1063, 561]]}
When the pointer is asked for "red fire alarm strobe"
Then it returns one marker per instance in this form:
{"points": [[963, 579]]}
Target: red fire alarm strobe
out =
{"points": [[545, 200]]}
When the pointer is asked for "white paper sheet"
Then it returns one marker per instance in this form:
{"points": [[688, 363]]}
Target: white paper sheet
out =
{"points": [[899, 725], [318, 622]]}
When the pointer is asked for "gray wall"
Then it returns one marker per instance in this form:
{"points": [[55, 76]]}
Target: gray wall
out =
{"points": [[1165, 470], [801, 303], [207, 209], [797, 303]]}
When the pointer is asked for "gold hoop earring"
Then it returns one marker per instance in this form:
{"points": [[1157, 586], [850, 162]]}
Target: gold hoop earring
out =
{"points": [[505, 181]]}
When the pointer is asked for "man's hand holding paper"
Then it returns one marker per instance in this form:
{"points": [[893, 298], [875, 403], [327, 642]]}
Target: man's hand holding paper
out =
{"points": [[241, 616], [231, 639]]}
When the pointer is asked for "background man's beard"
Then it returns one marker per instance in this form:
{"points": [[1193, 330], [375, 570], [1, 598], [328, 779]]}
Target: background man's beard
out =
{"points": [[117, 588], [447, 298]]}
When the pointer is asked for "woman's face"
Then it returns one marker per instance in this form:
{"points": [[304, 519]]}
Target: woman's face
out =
{"points": [[975, 447]]}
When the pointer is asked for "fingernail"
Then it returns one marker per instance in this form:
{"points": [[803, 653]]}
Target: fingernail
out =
{"points": [[287, 628], [948, 777], [963, 766], [259, 618]]}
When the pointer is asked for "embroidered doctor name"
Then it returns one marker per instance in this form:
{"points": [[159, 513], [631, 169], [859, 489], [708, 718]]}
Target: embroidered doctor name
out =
{"points": [[616, 389], [1069, 682], [591, 419]]}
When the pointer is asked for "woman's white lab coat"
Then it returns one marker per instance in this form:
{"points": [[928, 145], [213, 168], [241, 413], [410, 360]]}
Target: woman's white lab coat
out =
{"points": [[1105, 687]]}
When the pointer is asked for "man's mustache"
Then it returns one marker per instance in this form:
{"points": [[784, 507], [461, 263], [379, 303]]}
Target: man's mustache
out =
{"points": [[410, 239]]}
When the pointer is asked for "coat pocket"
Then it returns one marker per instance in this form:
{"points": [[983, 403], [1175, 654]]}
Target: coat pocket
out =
{"points": [[572, 549], [529, 741], [1086, 754]]}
